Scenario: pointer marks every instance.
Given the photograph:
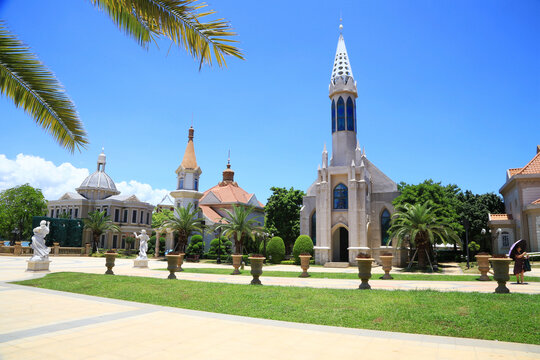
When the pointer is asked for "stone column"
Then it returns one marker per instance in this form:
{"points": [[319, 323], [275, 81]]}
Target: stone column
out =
{"points": [[56, 249], [17, 250], [156, 248], [87, 249]]}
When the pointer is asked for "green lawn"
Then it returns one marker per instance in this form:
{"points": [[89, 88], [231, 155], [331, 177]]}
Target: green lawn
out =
{"points": [[509, 317], [329, 275]]}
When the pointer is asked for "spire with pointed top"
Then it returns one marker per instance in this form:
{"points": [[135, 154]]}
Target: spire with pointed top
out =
{"points": [[190, 161], [228, 173], [342, 66]]}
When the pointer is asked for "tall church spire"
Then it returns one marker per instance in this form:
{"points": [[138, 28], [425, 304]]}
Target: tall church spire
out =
{"points": [[190, 161], [342, 65]]}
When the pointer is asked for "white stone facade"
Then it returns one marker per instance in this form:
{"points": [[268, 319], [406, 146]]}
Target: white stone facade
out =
{"points": [[348, 208]]}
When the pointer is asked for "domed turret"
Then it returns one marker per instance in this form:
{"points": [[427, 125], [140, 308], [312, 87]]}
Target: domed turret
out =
{"points": [[99, 185]]}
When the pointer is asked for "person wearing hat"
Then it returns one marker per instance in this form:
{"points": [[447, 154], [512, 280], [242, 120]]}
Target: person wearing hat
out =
{"points": [[519, 257]]}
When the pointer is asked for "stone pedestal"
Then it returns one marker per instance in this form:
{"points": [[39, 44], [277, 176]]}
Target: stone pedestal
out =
{"points": [[140, 263], [40, 265]]}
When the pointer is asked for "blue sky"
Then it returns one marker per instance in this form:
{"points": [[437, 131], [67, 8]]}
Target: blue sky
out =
{"points": [[448, 90]]}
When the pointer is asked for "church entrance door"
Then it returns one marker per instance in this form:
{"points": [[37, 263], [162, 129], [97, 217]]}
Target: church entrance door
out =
{"points": [[343, 244], [340, 243]]}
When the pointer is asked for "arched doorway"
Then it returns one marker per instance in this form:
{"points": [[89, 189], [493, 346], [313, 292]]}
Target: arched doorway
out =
{"points": [[340, 243]]}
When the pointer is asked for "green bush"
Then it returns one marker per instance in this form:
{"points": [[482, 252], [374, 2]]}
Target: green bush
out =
{"points": [[152, 246], [275, 250], [226, 246], [303, 244], [196, 246]]}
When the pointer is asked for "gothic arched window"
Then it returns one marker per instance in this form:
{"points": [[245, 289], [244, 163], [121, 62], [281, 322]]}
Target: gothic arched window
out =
{"points": [[333, 116], [350, 114], [341, 197], [314, 227], [385, 225], [196, 184], [340, 114]]}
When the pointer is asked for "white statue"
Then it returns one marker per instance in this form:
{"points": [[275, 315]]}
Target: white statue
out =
{"points": [[143, 245], [41, 251]]}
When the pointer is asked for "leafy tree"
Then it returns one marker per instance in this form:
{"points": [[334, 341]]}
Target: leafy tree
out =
{"points": [[239, 226], [30, 85], [419, 225], [98, 223], [186, 222], [196, 246], [283, 214], [159, 218], [64, 215], [17, 207], [443, 201], [475, 208]]}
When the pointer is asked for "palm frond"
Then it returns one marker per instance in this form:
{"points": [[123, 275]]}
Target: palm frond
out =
{"points": [[181, 21], [30, 85]]}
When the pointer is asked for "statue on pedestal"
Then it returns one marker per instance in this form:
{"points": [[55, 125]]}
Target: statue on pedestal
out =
{"points": [[41, 251], [143, 245]]}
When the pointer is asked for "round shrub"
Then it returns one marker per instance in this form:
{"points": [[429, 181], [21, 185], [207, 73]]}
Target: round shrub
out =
{"points": [[303, 244], [196, 246], [225, 249], [275, 250]]}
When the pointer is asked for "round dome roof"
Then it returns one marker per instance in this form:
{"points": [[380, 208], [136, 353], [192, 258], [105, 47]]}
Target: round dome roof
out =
{"points": [[99, 180]]}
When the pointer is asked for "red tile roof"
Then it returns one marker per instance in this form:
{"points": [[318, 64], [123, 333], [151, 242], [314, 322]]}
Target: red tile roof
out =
{"points": [[210, 213], [230, 193], [532, 167], [536, 202], [500, 216]]}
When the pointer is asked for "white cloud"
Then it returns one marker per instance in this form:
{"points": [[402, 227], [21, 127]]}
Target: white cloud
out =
{"points": [[55, 181], [143, 191]]}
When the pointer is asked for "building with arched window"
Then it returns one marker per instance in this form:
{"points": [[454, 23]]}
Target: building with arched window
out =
{"points": [[521, 193], [347, 210]]}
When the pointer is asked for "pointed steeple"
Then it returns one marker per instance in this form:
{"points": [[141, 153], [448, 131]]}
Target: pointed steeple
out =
{"points": [[190, 161], [342, 65]]}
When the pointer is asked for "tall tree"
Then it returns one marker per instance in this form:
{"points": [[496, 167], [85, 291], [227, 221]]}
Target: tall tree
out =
{"points": [[187, 221], [98, 223], [444, 201], [283, 214], [17, 207], [159, 217], [30, 85], [419, 225], [240, 225]]}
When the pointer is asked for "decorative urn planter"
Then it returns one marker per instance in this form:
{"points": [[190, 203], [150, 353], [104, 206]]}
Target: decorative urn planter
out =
{"points": [[109, 262], [304, 264], [256, 268], [236, 260], [483, 266], [501, 269], [180, 261], [172, 265], [387, 266], [364, 271]]}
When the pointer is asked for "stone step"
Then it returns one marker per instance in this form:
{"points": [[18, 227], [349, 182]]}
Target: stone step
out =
{"points": [[335, 264]]}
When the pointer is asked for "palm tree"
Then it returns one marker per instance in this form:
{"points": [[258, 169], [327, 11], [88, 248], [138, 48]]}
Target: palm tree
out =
{"points": [[186, 222], [30, 85], [419, 225], [238, 225], [98, 223]]}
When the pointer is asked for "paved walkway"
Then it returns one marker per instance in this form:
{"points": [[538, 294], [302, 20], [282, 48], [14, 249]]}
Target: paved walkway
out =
{"points": [[13, 268], [45, 324]]}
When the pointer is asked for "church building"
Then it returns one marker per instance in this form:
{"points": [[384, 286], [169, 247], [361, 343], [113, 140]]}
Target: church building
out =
{"points": [[347, 210]]}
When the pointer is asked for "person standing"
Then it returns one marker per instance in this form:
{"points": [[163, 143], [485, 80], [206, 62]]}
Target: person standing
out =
{"points": [[519, 257]]}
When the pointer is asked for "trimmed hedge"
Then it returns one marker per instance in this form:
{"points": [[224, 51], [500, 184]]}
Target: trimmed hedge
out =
{"points": [[275, 250], [303, 244], [196, 246]]}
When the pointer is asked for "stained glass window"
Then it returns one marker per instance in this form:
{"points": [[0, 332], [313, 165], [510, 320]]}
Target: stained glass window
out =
{"points": [[340, 114], [333, 116], [350, 114], [385, 225], [341, 197]]}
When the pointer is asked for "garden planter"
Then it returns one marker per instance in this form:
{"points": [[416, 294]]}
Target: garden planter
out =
{"points": [[109, 262], [387, 266], [483, 266], [364, 272], [256, 269], [172, 265], [501, 269], [180, 261], [236, 260], [304, 264]]}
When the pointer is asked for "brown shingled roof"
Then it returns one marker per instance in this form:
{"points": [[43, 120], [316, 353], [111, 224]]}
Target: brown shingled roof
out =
{"points": [[500, 216], [532, 167]]}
